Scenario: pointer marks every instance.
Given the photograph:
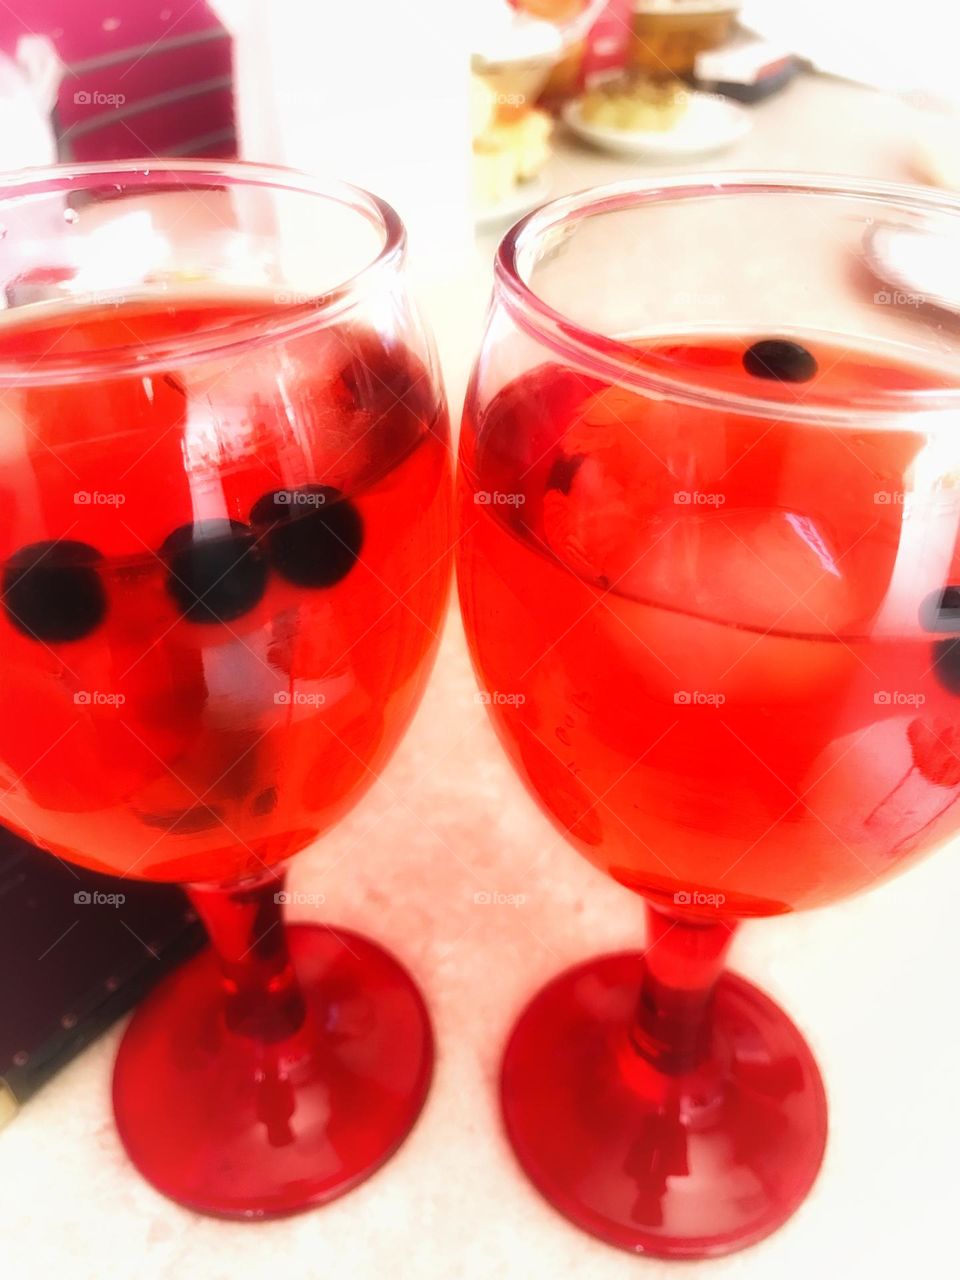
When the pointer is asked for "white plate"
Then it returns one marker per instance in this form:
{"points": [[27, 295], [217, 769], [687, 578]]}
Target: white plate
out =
{"points": [[524, 197], [710, 123]]}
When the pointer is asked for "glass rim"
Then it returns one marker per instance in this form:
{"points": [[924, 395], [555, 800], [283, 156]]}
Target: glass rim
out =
{"points": [[285, 320], [616, 359]]}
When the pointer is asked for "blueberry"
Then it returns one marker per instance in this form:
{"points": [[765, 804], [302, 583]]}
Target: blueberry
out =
{"points": [[779, 360], [216, 571], [946, 663], [313, 534], [940, 611], [563, 471], [383, 380], [378, 389], [53, 592]]}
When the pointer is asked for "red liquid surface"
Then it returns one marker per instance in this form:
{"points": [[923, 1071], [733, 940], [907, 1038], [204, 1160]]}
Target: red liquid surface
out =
{"points": [[714, 643], [167, 748]]}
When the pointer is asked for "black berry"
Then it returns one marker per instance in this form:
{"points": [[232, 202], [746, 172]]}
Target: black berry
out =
{"points": [[216, 571], [376, 388], [53, 592], [563, 471], [940, 611], [779, 360], [313, 534], [946, 663]]}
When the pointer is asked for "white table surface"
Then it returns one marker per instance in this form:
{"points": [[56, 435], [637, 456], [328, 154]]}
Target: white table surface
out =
{"points": [[872, 981]]}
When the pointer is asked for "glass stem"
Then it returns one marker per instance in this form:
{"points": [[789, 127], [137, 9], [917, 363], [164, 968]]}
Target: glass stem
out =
{"points": [[682, 963], [262, 998]]}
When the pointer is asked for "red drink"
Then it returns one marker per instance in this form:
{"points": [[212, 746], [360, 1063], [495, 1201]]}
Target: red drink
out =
{"points": [[718, 651], [222, 583], [710, 580], [224, 553]]}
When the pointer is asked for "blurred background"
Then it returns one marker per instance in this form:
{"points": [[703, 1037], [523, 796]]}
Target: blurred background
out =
{"points": [[483, 107], [466, 116]]}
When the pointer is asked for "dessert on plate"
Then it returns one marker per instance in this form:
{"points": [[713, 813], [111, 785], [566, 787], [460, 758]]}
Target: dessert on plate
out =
{"points": [[635, 103], [509, 148]]}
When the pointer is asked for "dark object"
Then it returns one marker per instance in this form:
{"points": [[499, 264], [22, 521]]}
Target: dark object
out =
{"points": [[52, 591], [779, 360], [940, 611], [313, 534], [74, 958], [946, 664], [216, 571], [770, 81]]}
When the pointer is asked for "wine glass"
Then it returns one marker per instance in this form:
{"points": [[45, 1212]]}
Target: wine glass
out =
{"points": [[710, 577], [224, 505]]}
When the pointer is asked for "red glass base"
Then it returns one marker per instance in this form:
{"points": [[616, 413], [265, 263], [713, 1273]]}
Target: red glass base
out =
{"points": [[683, 1166], [230, 1125]]}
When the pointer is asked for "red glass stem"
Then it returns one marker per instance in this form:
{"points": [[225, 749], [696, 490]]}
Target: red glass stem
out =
{"points": [[262, 998], [682, 963]]}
